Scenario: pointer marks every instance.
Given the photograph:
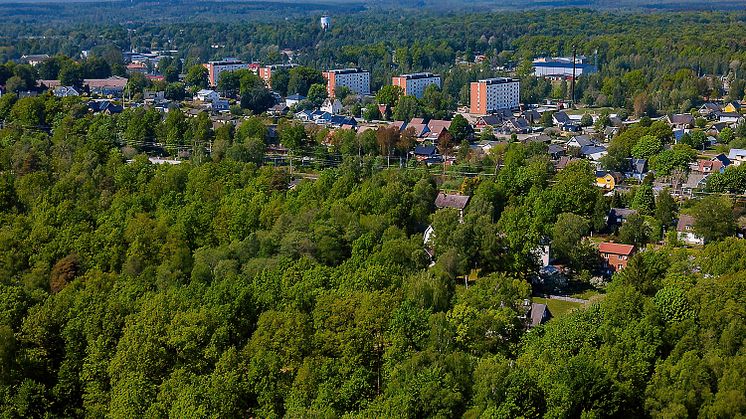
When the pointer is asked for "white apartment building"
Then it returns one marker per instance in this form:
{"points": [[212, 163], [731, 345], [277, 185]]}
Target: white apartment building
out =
{"points": [[357, 80], [214, 68], [415, 84]]}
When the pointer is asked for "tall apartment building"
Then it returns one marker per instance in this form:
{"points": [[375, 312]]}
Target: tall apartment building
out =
{"points": [[214, 68], [415, 84], [265, 72], [495, 94], [357, 80]]}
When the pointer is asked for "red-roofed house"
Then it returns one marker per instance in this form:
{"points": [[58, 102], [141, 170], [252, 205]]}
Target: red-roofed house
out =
{"points": [[615, 255]]}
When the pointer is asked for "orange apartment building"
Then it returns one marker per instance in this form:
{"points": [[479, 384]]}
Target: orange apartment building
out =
{"points": [[490, 95]]}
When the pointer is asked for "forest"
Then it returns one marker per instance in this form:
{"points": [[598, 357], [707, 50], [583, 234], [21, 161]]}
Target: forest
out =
{"points": [[226, 287]]}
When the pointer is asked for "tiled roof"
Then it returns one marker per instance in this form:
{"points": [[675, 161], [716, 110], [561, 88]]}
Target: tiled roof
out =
{"points": [[616, 248]]}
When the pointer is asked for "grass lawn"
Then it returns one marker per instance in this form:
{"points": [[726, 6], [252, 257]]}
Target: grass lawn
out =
{"points": [[557, 307]]}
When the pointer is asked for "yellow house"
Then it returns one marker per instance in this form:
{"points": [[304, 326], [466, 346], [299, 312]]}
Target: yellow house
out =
{"points": [[732, 107], [606, 180]]}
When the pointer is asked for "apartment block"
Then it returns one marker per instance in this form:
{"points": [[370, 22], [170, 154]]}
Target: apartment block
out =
{"points": [[214, 68], [265, 72], [415, 84], [357, 80], [490, 95]]}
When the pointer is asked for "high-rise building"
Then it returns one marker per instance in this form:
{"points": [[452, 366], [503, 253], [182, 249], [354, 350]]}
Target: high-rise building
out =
{"points": [[494, 94], [415, 84], [265, 72], [214, 68], [357, 80]]}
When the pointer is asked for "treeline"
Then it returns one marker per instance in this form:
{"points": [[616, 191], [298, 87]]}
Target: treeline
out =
{"points": [[217, 288]]}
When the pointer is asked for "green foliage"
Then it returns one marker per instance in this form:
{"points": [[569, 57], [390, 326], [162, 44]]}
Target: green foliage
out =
{"points": [[713, 218], [647, 147]]}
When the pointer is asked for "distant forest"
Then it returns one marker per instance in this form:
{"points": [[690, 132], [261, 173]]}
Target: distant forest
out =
{"points": [[64, 11]]}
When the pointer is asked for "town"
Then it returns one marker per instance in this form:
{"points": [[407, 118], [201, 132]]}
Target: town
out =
{"points": [[348, 212]]}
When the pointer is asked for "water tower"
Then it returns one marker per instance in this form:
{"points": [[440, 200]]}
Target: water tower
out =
{"points": [[326, 22]]}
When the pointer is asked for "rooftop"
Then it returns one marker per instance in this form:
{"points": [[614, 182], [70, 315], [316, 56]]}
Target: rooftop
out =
{"points": [[499, 80], [346, 71], [616, 248], [412, 76], [445, 200]]}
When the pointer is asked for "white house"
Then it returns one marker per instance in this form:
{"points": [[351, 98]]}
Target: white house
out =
{"points": [[685, 231], [333, 106], [737, 156], [294, 99], [207, 95]]}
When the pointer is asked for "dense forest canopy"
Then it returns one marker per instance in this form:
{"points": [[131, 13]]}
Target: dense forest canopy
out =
{"points": [[219, 287]]}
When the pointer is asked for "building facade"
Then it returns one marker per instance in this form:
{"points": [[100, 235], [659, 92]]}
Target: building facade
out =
{"points": [[490, 95], [214, 68], [265, 72], [415, 84], [562, 67], [615, 256], [357, 80]]}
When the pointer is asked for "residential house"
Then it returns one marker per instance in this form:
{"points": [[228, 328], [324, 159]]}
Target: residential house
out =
{"points": [[279, 109], [532, 116], [593, 152], [564, 161], [452, 201], [607, 180], [206, 95], [555, 151], [561, 118], [331, 105], [425, 152], [722, 158], [221, 105], [694, 181], [708, 110], [516, 126], [294, 99], [437, 128], [680, 121], [154, 95], [617, 217], [732, 107], [66, 91], [615, 256], [489, 120], [737, 156], [399, 125], [685, 231], [718, 127], [730, 117], [104, 106], [710, 166], [34, 59], [635, 168], [611, 132], [580, 141]]}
